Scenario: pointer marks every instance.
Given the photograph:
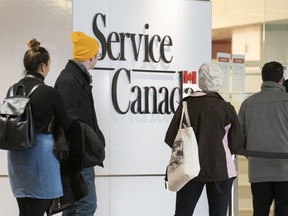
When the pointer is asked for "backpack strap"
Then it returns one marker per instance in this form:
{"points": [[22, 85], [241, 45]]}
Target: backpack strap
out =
{"points": [[33, 89], [10, 92], [13, 90]]}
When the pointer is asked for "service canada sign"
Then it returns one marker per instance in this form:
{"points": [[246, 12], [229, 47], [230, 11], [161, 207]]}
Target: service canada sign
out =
{"points": [[150, 49], [150, 52], [144, 43]]}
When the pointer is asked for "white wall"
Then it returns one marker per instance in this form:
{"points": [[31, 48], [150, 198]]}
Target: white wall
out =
{"points": [[50, 22], [248, 41], [233, 13], [276, 43]]}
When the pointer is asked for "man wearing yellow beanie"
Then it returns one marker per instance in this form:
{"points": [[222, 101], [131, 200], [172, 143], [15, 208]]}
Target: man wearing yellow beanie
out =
{"points": [[74, 84], [85, 47]]}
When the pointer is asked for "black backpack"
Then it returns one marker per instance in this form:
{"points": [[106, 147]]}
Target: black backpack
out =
{"points": [[16, 121]]}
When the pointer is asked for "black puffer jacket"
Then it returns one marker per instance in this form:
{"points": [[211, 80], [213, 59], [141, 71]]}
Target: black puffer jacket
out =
{"points": [[86, 150]]}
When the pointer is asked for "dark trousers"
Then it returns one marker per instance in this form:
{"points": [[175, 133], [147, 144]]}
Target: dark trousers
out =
{"points": [[218, 195], [263, 195], [32, 207]]}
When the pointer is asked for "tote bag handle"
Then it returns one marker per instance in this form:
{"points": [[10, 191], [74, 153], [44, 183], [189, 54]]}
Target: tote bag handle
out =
{"points": [[186, 114]]}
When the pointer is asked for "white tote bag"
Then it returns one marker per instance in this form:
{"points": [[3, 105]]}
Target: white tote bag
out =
{"points": [[184, 162]]}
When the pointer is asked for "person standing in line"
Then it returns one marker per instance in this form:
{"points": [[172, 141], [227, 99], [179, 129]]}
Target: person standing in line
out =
{"points": [[219, 135], [75, 85], [263, 118], [34, 173]]}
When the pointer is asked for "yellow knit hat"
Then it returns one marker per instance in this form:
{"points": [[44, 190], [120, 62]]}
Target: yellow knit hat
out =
{"points": [[85, 47]]}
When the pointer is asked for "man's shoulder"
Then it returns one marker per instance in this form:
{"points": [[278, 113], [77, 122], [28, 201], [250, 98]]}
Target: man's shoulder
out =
{"points": [[267, 96], [69, 72], [64, 76], [65, 73]]}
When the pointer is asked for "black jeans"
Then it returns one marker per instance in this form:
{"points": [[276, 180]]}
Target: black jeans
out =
{"points": [[218, 195], [263, 195], [32, 207]]}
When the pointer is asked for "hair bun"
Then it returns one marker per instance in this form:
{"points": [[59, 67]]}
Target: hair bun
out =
{"points": [[33, 44]]}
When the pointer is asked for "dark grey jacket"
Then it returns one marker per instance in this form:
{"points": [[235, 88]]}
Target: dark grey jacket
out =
{"points": [[73, 84], [264, 121]]}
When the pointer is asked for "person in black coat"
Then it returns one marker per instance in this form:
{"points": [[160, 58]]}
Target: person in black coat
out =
{"points": [[219, 136], [34, 173], [74, 84]]}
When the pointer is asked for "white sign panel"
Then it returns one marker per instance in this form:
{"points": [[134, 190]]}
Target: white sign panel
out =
{"points": [[238, 77], [223, 60], [136, 86]]}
